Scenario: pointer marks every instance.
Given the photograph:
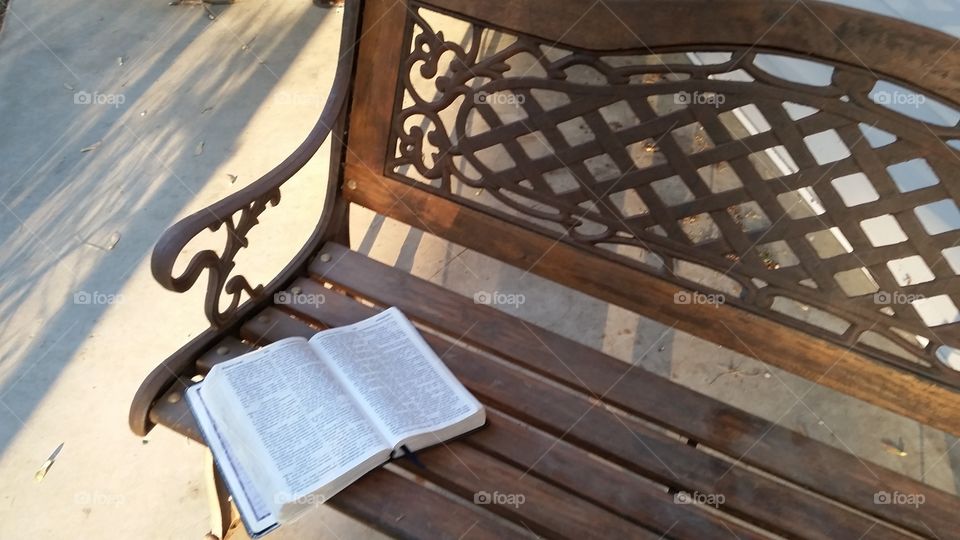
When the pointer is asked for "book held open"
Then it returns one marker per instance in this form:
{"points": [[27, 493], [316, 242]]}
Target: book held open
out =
{"points": [[295, 422]]}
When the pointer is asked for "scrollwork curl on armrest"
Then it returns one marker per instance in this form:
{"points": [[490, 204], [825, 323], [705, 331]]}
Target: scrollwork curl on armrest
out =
{"points": [[240, 211]]}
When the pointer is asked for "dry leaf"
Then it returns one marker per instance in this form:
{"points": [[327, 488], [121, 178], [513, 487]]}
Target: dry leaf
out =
{"points": [[232, 177], [112, 241], [68, 87], [895, 448], [91, 148], [42, 471], [199, 149]]}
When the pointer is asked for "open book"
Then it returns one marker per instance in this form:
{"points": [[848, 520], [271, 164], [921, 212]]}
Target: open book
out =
{"points": [[295, 422]]}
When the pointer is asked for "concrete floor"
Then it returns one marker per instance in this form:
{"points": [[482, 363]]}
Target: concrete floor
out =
{"points": [[69, 369], [203, 100]]}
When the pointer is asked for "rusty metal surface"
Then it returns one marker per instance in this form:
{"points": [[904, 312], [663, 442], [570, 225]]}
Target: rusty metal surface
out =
{"points": [[645, 157]]}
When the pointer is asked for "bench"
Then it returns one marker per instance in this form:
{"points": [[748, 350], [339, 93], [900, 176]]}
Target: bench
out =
{"points": [[655, 155]]}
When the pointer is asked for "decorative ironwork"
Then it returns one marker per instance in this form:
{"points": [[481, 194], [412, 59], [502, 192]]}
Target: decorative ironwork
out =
{"points": [[236, 215], [828, 203], [220, 266]]}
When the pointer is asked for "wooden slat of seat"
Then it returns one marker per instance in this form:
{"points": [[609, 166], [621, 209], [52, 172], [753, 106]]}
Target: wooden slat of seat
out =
{"points": [[403, 509], [374, 499], [545, 509], [622, 440], [687, 521], [171, 410], [760, 443], [229, 347], [548, 510], [573, 468]]}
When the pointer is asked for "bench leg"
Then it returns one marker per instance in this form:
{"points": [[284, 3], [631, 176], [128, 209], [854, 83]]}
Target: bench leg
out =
{"points": [[221, 514]]}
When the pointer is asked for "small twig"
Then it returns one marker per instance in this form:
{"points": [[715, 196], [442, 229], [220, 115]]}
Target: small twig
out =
{"points": [[736, 372]]}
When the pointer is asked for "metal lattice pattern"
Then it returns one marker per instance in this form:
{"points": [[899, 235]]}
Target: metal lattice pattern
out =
{"points": [[813, 203]]}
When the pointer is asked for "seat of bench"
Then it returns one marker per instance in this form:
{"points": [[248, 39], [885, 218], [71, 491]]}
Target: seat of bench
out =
{"points": [[592, 446]]}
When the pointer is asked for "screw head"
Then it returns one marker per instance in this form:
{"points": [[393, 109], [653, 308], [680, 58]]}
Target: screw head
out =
{"points": [[223, 350], [263, 318], [325, 257], [352, 184], [174, 397], [296, 290]]}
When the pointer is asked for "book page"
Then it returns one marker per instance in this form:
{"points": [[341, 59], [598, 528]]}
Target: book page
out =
{"points": [[405, 386], [304, 420], [257, 516]]}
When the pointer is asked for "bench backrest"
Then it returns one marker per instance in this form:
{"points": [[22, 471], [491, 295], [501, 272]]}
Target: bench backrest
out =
{"points": [[779, 178]]}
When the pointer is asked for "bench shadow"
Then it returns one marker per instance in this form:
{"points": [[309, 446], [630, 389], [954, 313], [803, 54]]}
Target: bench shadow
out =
{"points": [[67, 204]]}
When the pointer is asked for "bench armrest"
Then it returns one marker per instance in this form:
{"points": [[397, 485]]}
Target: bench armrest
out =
{"points": [[240, 211]]}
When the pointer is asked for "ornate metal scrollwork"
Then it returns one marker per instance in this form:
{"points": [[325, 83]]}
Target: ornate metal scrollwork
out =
{"points": [[238, 213], [236, 226], [720, 170]]}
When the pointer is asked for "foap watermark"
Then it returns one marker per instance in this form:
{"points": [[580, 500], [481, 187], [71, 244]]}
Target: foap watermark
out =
{"points": [[699, 298], [699, 98], [299, 98], [302, 500], [96, 98], [884, 97], [295, 297], [501, 499], [98, 498], [708, 499], [884, 298], [96, 298], [497, 298], [908, 499], [499, 98]]}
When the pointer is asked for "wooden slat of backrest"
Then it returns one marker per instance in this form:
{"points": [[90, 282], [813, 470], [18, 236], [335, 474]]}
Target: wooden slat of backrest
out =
{"points": [[815, 465], [623, 440], [844, 34], [792, 350]]}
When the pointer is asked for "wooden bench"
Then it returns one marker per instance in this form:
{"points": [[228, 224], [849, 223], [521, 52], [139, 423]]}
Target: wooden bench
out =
{"points": [[468, 120]]}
